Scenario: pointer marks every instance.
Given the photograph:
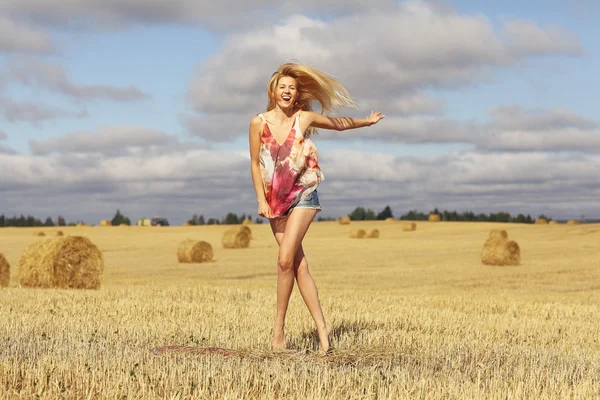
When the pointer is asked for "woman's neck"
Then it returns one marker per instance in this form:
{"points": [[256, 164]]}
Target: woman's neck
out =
{"points": [[283, 113]]}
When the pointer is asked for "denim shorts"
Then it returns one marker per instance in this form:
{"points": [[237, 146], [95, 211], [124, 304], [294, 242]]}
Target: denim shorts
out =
{"points": [[310, 201]]}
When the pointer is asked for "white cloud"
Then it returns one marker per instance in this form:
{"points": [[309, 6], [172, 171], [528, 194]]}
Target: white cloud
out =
{"points": [[107, 141], [20, 38], [386, 59], [213, 183], [51, 76], [513, 128], [219, 15], [35, 113]]}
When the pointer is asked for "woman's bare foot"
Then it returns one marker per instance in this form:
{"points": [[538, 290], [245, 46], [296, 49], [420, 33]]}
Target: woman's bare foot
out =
{"points": [[324, 340], [278, 342]]}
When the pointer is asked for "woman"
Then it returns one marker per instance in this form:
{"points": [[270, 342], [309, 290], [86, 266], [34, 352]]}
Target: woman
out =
{"points": [[286, 173]]}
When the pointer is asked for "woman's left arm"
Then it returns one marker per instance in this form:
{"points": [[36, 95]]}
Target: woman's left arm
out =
{"points": [[341, 123]]}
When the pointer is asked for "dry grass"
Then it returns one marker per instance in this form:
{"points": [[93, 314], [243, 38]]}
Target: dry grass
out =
{"points": [[409, 227], [414, 317]]}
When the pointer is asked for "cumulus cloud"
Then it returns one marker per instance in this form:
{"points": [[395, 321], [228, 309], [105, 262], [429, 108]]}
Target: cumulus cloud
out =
{"points": [[387, 60], [213, 183], [513, 128], [20, 38], [107, 141], [51, 76], [3, 148], [218, 15], [15, 111]]}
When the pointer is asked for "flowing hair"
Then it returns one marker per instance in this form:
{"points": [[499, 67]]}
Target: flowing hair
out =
{"points": [[312, 85]]}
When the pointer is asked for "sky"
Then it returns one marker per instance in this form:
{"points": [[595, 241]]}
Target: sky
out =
{"points": [[144, 106]]}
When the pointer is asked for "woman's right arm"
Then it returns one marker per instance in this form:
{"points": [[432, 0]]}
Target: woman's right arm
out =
{"points": [[255, 133]]}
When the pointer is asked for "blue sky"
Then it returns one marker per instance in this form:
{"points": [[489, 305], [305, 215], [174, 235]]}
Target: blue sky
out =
{"points": [[493, 95]]}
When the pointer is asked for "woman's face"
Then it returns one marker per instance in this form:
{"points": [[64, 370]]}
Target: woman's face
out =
{"points": [[286, 92]]}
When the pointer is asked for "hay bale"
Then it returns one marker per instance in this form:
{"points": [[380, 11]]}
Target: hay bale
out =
{"points": [[60, 233], [4, 271], [246, 229], [390, 219], [39, 234], [373, 233], [105, 222], [345, 220], [66, 262], [498, 250], [572, 222], [498, 234], [81, 224], [357, 233], [188, 224], [553, 222], [434, 218], [409, 227], [192, 251], [247, 222], [541, 221], [236, 238]]}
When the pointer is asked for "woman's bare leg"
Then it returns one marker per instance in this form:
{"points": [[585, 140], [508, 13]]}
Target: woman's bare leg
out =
{"points": [[310, 294], [289, 233]]}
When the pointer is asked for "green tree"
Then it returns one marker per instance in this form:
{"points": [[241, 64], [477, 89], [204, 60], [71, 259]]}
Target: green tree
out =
{"points": [[49, 222], [61, 221], [385, 213], [231, 219], [370, 215], [358, 214]]}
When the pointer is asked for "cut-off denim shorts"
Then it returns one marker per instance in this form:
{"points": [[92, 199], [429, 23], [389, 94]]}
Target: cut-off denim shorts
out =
{"points": [[310, 201]]}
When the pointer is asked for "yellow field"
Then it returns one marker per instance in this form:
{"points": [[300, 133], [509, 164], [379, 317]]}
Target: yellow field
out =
{"points": [[415, 315]]}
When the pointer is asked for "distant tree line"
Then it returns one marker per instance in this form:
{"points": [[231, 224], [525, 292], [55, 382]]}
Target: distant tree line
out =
{"points": [[362, 214], [358, 214], [25, 221], [230, 219]]}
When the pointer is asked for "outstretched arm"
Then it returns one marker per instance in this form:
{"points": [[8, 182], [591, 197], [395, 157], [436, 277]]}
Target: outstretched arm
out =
{"points": [[341, 123]]}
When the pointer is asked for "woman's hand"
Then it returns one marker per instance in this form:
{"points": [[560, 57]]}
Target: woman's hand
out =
{"points": [[375, 117], [264, 210]]}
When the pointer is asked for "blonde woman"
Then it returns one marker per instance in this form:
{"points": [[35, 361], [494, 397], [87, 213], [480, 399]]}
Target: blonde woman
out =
{"points": [[286, 173]]}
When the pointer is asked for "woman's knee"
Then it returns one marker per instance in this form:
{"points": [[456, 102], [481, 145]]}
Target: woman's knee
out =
{"points": [[285, 262]]}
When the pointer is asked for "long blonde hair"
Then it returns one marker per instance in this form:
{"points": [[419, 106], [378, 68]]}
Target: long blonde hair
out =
{"points": [[312, 85]]}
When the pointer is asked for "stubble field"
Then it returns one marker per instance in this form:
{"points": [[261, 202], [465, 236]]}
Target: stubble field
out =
{"points": [[414, 315]]}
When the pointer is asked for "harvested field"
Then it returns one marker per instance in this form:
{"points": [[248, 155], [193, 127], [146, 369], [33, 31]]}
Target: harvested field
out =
{"points": [[414, 316]]}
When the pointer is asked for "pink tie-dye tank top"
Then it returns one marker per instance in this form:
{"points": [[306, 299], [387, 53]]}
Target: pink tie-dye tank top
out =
{"points": [[290, 170]]}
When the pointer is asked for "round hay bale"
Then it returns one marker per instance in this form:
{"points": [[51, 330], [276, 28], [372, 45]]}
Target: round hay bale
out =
{"points": [[192, 251], [434, 218], [60, 233], [390, 219], [188, 224], [572, 222], [553, 222], [541, 221], [105, 222], [500, 252], [409, 227], [357, 233], [66, 262], [345, 220], [39, 234], [498, 234], [373, 233], [4, 271], [236, 238], [247, 222], [81, 224], [246, 229]]}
